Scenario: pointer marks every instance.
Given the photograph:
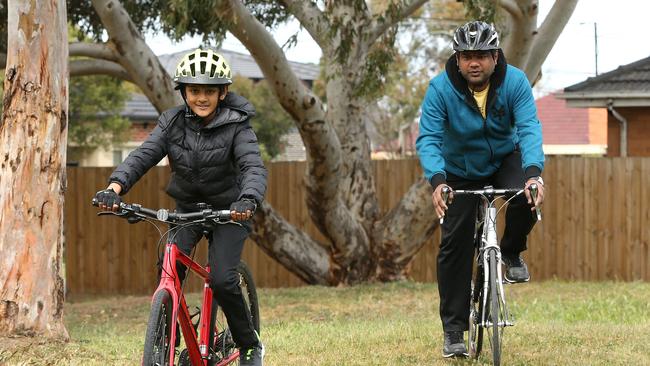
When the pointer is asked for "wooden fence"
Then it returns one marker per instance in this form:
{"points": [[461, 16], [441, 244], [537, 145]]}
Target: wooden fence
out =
{"points": [[595, 225]]}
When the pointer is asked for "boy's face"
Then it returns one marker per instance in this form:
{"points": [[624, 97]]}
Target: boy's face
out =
{"points": [[477, 66], [203, 99]]}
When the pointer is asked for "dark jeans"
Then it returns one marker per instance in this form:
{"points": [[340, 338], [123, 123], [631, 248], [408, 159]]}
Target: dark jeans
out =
{"points": [[224, 253], [456, 254]]}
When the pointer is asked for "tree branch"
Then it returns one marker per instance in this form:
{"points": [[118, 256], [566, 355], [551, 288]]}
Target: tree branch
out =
{"points": [[311, 18], [405, 229], [291, 247], [320, 139], [512, 8], [385, 21], [135, 56], [94, 50], [98, 67], [547, 35]]}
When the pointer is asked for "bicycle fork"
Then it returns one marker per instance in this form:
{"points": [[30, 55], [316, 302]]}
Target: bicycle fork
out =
{"points": [[490, 244]]}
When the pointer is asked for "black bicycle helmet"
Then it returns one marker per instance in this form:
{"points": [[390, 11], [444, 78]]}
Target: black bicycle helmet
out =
{"points": [[476, 36]]}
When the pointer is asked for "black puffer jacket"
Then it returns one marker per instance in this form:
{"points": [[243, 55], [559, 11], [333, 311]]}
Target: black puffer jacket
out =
{"points": [[218, 163]]}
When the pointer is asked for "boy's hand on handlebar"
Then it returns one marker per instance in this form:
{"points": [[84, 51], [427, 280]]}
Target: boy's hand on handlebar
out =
{"points": [[540, 193], [439, 203], [243, 209], [108, 199]]}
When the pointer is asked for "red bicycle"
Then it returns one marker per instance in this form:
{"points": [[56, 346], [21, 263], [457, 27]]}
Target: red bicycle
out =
{"points": [[208, 342]]}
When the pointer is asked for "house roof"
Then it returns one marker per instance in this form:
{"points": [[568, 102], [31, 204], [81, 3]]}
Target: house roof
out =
{"points": [[244, 65], [627, 86], [138, 108]]}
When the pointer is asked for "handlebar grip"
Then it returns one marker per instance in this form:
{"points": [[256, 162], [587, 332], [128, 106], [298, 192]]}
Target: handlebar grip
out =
{"points": [[533, 193], [445, 197], [223, 214]]}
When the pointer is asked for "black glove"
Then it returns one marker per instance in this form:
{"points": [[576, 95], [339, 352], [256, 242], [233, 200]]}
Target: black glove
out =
{"points": [[243, 205], [107, 198]]}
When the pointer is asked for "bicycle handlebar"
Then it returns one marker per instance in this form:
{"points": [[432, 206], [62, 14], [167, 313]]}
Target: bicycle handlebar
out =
{"points": [[489, 191], [164, 215]]}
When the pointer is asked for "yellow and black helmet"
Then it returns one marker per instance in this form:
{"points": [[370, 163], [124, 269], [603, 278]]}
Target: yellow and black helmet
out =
{"points": [[204, 67]]}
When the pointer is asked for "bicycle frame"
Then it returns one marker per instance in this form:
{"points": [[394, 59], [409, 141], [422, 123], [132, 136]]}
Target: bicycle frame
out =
{"points": [[489, 242], [198, 349]]}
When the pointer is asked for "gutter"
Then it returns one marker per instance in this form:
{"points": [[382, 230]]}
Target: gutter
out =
{"points": [[623, 121]]}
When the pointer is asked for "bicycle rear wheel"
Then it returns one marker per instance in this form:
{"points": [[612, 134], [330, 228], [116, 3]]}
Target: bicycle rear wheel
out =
{"points": [[157, 339], [475, 338], [223, 343], [497, 319]]}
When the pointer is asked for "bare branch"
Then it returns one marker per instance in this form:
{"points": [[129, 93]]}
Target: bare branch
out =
{"points": [[547, 35], [94, 50], [135, 55], [291, 247], [512, 8], [388, 20], [311, 18], [98, 67], [320, 139], [406, 228]]}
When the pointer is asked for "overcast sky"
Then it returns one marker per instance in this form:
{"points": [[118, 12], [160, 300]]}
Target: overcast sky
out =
{"points": [[622, 33]]}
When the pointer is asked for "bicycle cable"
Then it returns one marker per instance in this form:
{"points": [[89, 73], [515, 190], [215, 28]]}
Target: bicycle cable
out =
{"points": [[506, 202]]}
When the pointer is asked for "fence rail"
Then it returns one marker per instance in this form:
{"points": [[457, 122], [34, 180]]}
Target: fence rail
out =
{"points": [[595, 225]]}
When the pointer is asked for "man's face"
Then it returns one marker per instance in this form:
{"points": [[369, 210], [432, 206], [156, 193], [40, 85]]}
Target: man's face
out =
{"points": [[476, 66]]}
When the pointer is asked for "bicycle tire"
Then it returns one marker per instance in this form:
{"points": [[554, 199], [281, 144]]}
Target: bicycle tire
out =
{"points": [[475, 334], [157, 338], [496, 321], [223, 344]]}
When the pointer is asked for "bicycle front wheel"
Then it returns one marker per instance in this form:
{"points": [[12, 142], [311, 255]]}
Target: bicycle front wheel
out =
{"points": [[223, 343], [497, 320], [157, 340], [475, 338]]}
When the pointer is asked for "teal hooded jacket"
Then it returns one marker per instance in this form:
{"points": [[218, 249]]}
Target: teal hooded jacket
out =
{"points": [[455, 138]]}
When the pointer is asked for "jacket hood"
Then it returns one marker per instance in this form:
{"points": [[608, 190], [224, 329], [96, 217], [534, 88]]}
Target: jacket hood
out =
{"points": [[459, 82], [233, 109]]}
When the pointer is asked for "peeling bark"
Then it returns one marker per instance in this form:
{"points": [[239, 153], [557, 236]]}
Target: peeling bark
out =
{"points": [[33, 134]]}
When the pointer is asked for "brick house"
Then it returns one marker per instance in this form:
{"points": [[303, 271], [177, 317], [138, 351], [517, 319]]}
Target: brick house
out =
{"points": [[625, 94]]}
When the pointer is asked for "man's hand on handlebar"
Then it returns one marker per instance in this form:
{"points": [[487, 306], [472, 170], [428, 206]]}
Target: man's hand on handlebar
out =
{"points": [[540, 193], [439, 203]]}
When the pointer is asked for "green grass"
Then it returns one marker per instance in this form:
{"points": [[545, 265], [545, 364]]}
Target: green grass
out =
{"points": [[557, 323]]}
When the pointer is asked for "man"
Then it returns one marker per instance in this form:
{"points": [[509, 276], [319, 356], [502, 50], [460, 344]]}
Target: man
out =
{"points": [[479, 127]]}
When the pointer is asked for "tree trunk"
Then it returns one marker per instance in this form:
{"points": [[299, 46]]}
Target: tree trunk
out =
{"points": [[33, 134]]}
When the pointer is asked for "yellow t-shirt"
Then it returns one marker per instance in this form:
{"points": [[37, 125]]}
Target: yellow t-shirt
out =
{"points": [[481, 100]]}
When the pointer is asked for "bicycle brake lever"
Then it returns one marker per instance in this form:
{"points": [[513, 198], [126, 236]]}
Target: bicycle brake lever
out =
{"points": [[102, 213]]}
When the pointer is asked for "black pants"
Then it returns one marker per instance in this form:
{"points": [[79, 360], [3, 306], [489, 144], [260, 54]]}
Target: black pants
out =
{"points": [[224, 253], [456, 254]]}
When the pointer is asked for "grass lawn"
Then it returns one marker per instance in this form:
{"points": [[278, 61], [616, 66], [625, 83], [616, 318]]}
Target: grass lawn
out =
{"points": [[557, 323]]}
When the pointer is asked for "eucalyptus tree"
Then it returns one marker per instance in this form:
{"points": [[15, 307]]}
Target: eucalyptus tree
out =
{"points": [[357, 39], [33, 132]]}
